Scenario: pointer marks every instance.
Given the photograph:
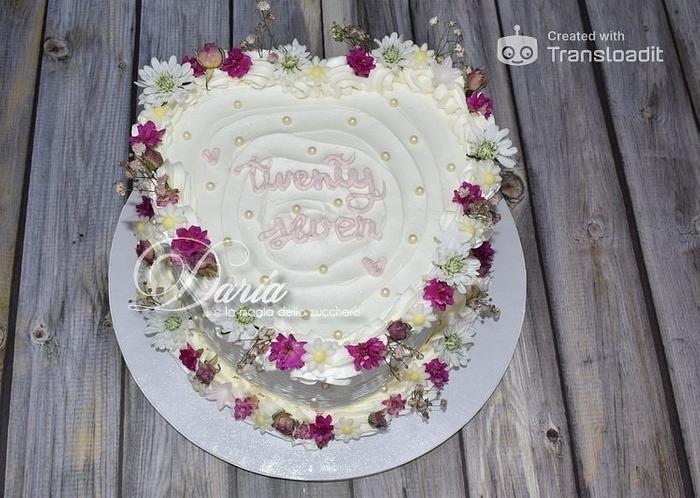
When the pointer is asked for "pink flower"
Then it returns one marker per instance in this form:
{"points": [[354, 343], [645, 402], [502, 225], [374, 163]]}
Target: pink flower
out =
{"points": [[437, 372], [321, 430], [394, 404], [165, 194], [145, 207], [398, 330], [237, 64], [480, 104], [205, 372], [145, 252], [439, 294], [196, 67], [466, 195], [378, 420], [302, 431], [210, 56], [190, 243], [147, 134], [286, 352], [244, 407], [476, 80], [484, 253], [189, 357], [284, 423], [367, 354], [360, 61]]}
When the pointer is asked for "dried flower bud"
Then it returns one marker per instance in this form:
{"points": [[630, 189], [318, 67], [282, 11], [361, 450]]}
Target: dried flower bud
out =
{"points": [[152, 159], [476, 80], [398, 330], [210, 56], [378, 420], [284, 423], [273, 57], [120, 188], [263, 6]]}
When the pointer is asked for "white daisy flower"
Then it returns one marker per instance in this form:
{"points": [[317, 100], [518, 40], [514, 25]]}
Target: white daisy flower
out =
{"points": [[239, 323], [161, 115], [262, 417], [453, 239], [222, 394], [292, 60], [347, 428], [444, 73], [475, 229], [319, 354], [491, 144], [485, 174], [414, 375], [421, 57], [169, 331], [455, 268], [454, 343], [421, 316], [164, 82], [394, 52], [170, 218], [144, 229], [316, 71]]}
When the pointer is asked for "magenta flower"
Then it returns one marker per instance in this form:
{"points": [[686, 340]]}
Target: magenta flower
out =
{"points": [[145, 207], [367, 355], [394, 404], [437, 372], [398, 330], [378, 420], [145, 252], [480, 103], [360, 61], [196, 66], [189, 357], [439, 294], [244, 407], [466, 195], [205, 372], [286, 352], [147, 134], [484, 253], [190, 244], [321, 430], [302, 431], [237, 64]]}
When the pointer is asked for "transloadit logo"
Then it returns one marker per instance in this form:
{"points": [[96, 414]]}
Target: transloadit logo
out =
{"points": [[517, 50]]}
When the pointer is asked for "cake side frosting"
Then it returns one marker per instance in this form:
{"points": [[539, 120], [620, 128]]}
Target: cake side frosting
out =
{"points": [[371, 192]]}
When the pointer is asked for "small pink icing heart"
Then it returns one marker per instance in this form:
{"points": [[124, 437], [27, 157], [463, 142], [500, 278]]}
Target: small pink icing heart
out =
{"points": [[374, 268], [212, 156]]}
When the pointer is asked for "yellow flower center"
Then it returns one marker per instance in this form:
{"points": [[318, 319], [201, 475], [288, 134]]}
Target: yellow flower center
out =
{"points": [[320, 356], [168, 223], [414, 376], [346, 429], [316, 72], [160, 111], [140, 227], [418, 319], [259, 419], [469, 228], [421, 57], [489, 178]]}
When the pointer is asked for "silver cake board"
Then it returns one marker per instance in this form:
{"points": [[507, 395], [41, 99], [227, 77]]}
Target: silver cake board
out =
{"points": [[167, 388]]}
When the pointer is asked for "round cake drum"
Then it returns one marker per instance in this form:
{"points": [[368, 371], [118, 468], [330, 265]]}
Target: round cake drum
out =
{"points": [[161, 379]]}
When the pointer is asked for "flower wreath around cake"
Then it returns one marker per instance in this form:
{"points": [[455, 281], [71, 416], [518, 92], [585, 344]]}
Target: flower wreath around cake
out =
{"points": [[368, 181]]}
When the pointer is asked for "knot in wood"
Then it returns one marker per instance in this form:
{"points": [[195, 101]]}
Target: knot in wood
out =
{"points": [[39, 335], [594, 230], [56, 49], [512, 187]]}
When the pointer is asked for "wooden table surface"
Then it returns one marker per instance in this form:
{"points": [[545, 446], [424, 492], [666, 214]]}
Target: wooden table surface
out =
{"points": [[601, 398]]}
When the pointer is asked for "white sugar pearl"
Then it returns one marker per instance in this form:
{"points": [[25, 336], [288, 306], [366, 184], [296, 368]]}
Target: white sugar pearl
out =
{"points": [[238, 104], [311, 150], [386, 156], [412, 239], [451, 167], [248, 214], [413, 139], [338, 335], [239, 141], [338, 202], [296, 209], [352, 121], [186, 135], [394, 103], [385, 292], [211, 186], [323, 269], [420, 191], [287, 120]]}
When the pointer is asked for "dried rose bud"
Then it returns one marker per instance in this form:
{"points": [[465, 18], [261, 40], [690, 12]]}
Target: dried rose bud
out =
{"points": [[120, 188], [152, 159], [284, 423], [476, 80], [205, 372], [145, 252], [398, 330], [210, 56], [378, 420], [273, 57]]}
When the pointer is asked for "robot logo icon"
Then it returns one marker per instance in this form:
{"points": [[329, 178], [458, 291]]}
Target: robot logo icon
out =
{"points": [[517, 50]]}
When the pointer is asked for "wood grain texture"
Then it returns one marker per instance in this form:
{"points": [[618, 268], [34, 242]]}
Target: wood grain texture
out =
{"points": [[300, 19], [156, 459], [683, 16], [21, 26], [620, 426], [63, 435], [342, 12], [254, 485], [659, 146], [518, 444]]}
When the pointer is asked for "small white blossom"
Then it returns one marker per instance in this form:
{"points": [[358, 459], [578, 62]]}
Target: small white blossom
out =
{"points": [[444, 73], [455, 268], [292, 60], [485, 174], [491, 144], [454, 343], [347, 428], [319, 355], [475, 229], [263, 6], [421, 316], [164, 82], [433, 21], [169, 331], [422, 56], [222, 394], [414, 375], [394, 52], [170, 218]]}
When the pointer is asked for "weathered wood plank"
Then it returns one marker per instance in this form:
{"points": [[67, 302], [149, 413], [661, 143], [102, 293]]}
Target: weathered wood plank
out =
{"points": [[518, 444], [620, 426], [21, 27], [440, 472], [63, 433], [342, 12], [659, 144], [295, 19], [250, 484], [683, 16], [157, 460]]}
